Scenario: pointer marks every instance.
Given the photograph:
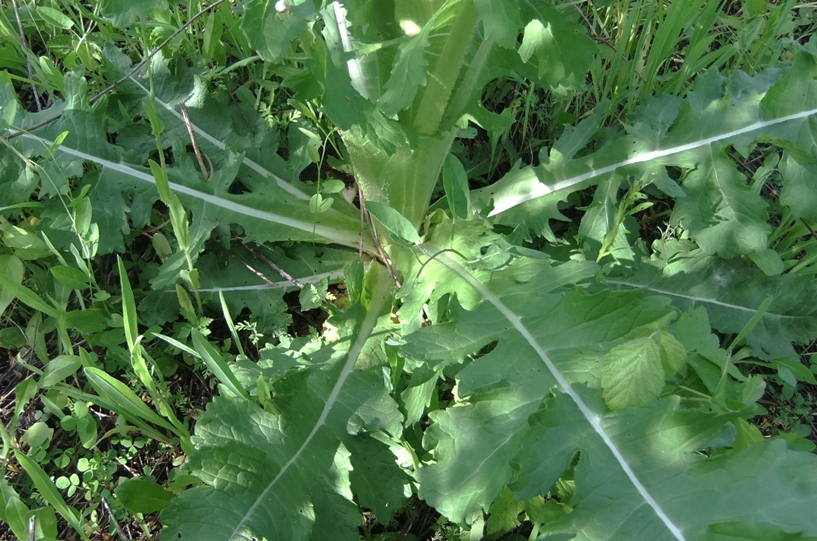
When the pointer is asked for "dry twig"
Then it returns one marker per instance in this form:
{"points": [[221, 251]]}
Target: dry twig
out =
{"points": [[206, 171], [368, 220], [275, 267]]}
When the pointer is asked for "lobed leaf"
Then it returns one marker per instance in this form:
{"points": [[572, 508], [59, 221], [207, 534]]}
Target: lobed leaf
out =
{"points": [[695, 135], [530, 412]]}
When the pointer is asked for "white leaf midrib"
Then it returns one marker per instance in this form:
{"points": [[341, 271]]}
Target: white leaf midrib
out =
{"points": [[592, 418], [255, 166], [540, 189], [329, 233], [379, 298], [702, 300]]}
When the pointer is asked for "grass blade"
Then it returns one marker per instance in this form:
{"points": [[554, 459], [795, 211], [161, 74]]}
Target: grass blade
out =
{"points": [[217, 365], [28, 297], [48, 490], [128, 306], [125, 400]]}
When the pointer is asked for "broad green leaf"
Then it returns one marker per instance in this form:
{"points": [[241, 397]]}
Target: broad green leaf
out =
{"points": [[26, 244], [732, 292], [502, 20], [559, 46], [59, 368], [267, 214], [455, 183], [341, 100], [124, 12], [673, 352], [376, 479], [286, 475], [395, 223], [54, 17], [12, 510], [408, 73], [206, 137], [270, 32], [12, 268], [638, 472], [70, 277], [797, 192], [332, 186], [312, 295], [37, 435], [336, 228], [752, 530], [722, 214], [142, 495], [27, 296]]}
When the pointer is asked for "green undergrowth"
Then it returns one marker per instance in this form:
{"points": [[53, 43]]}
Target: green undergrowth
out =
{"points": [[438, 269]]}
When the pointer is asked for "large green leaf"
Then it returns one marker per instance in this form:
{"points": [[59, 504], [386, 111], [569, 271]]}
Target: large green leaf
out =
{"points": [[272, 209], [271, 32], [530, 412], [732, 292], [694, 136], [124, 12], [283, 472]]}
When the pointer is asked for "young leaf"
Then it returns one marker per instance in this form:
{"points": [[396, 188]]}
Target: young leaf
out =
{"points": [[455, 183], [395, 223], [632, 375]]}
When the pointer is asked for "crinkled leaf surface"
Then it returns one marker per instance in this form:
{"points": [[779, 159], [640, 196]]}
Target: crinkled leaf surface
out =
{"points": [[284, 472]]}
